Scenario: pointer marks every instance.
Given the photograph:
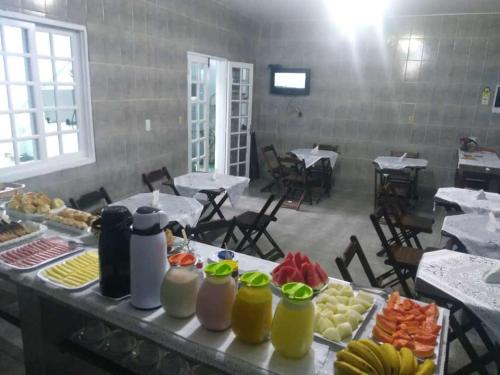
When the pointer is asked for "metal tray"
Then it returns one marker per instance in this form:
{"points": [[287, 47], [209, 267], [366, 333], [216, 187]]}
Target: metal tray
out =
{"points": [[66, 228], [37, 231], [9, 189], [71, 251], [33, 217], [55, 283]]}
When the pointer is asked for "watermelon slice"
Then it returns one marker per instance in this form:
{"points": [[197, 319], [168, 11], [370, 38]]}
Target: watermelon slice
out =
{"points": [[297, 259], [285, 263], [280, 277], [289, 256], [305, 259], [311, 277], [321, 273], [287, 275]]}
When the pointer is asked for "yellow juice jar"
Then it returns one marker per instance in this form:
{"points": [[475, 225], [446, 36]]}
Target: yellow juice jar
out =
{"points": [[292, 329], [252, 310]]}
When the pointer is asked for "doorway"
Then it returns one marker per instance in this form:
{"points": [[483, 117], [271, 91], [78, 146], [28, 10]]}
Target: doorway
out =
{"points": [[219, 115]]}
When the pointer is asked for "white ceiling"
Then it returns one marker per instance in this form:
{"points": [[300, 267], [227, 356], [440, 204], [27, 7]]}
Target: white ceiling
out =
{"points": [[268, 10]]}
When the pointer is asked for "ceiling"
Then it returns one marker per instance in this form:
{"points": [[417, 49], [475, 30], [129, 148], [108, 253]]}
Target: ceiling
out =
{"points": [[269, 10]]}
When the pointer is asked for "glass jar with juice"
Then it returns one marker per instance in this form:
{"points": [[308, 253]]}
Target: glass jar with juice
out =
{"points": [[292, 330], [216, 297], [252, 309], [180, 286]]}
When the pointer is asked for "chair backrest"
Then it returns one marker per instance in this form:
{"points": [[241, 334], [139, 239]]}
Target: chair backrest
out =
{"points": [[208, 231], [476, 180], [271, 158], [292, 162], [154, 179], [91, 200], [326, 147], [348, 255], [262, 211], [278, 205], [409, 154]]}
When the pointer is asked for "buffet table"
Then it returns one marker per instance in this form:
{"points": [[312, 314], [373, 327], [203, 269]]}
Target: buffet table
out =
{"points": [[46, 313]]}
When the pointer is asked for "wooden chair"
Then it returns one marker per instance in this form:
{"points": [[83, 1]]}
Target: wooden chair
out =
{"points": [[154, 179], [254, 225], [211, 231], [403, 259], [474, 180], [325, 167], [387, 279], [302, 180], [92, 200], [274, 167]]}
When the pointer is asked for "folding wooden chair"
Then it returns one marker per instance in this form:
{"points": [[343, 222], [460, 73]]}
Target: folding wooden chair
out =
{"points": [[325, 167], [387, 279], [154, 179], [210, 232], [403, 259], [274, 167], [254, 225], [93, 200], [301, 181]]}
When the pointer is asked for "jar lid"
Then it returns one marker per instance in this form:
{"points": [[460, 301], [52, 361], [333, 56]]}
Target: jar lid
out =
{"points": [[297, 291], [255, 279], [182, 259], [232, 263], [218, 269]]}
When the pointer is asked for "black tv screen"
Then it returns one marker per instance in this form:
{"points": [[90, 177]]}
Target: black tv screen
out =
{"points": [[290, 81]]}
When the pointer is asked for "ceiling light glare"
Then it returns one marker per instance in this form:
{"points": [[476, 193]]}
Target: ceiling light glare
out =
{"points": [[352, 15]]}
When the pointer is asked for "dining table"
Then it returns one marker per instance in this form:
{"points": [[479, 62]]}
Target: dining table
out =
{"points": [[52, 318], [479, 161], [467, 200], [184, 210], [311, 156], [476, 234]]}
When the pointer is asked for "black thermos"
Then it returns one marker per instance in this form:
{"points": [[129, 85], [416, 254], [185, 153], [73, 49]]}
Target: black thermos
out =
{"points": [[114, 251]]}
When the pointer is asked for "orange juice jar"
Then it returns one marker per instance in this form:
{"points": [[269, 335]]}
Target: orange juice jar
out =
{"points": [[252, 310], [292, 331]]}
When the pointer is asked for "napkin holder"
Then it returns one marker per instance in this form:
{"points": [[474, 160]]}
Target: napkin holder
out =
{"points": [[403, 157], [493, 275], [315, 150], [492, 225], [155, 201], [481, 196]]}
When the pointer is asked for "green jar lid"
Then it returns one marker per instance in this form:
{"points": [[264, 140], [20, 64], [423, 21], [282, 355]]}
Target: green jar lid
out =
{"points": [[297, 291], [255, 279], [218, 269]]}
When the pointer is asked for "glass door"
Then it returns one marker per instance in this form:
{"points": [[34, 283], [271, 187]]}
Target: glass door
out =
{"points": [[240, 82], [198, 118]]}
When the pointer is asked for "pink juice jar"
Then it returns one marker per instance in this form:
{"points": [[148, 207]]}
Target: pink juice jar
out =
{"points": [[216, 297]]}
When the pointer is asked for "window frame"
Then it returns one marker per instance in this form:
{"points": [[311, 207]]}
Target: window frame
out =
{"points": [[83, 101]]}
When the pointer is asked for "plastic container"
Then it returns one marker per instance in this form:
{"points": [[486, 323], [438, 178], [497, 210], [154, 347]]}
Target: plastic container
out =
{"points": [[216, 297], [292, 329], [180, 286], [252, 309]]}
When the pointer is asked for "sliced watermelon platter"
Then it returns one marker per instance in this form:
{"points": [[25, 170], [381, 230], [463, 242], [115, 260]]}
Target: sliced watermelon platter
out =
{"points": [[299, 268]]}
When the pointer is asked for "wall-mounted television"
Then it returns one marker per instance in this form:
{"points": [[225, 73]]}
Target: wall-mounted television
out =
{"points": [[290, 81]]}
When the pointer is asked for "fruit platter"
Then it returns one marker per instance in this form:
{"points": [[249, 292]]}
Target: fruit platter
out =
{"points": [[33, 206], [15, 233], [299, 268], [36, 253], [368, 357], [409, 324], [341, 312], [76, 272], [71, 220]]}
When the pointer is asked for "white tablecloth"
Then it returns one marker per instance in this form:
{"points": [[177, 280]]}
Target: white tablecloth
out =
{"points": [[460, 276], [190, 184], [473, 231], [395, 162], [482, 159], [311, 157], [467, 200], [184, 210]]}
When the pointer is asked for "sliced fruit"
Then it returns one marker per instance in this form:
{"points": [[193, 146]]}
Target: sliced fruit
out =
{"points": [[285, 263], [380, 335], [423, 351], [333, 334], [345, 330], [386, 324], [297, 259], [321, 273]]}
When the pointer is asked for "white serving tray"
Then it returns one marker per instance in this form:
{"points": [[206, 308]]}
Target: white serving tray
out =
{"points": [[75, 250], [52, 282], [355, 333], [33, 217], [37, 231], [9, 189], [66, 228]]}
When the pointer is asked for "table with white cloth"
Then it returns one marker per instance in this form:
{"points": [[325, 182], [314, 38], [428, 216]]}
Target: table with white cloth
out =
{"points": [[468, 201], [47, 315], [206, 185], [460, 277], [479, 161], [397, 163], [186, 211], [475, 233], [311, 156]]}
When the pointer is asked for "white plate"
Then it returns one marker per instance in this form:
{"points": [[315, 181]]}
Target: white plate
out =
{"points": [[75, 250], [37, 231], [55, 283], [355, 333], [66, 228]]}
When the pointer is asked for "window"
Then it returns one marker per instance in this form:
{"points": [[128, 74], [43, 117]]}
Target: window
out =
{"points": [[45, 112]]}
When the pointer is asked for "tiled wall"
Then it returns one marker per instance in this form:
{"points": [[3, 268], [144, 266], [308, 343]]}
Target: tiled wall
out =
{"points": [[138, 65], [416, 86]]}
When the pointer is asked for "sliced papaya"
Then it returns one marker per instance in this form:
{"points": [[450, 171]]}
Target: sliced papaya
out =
{"points": [[424, 338], [422, 350], [380, 335]]}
